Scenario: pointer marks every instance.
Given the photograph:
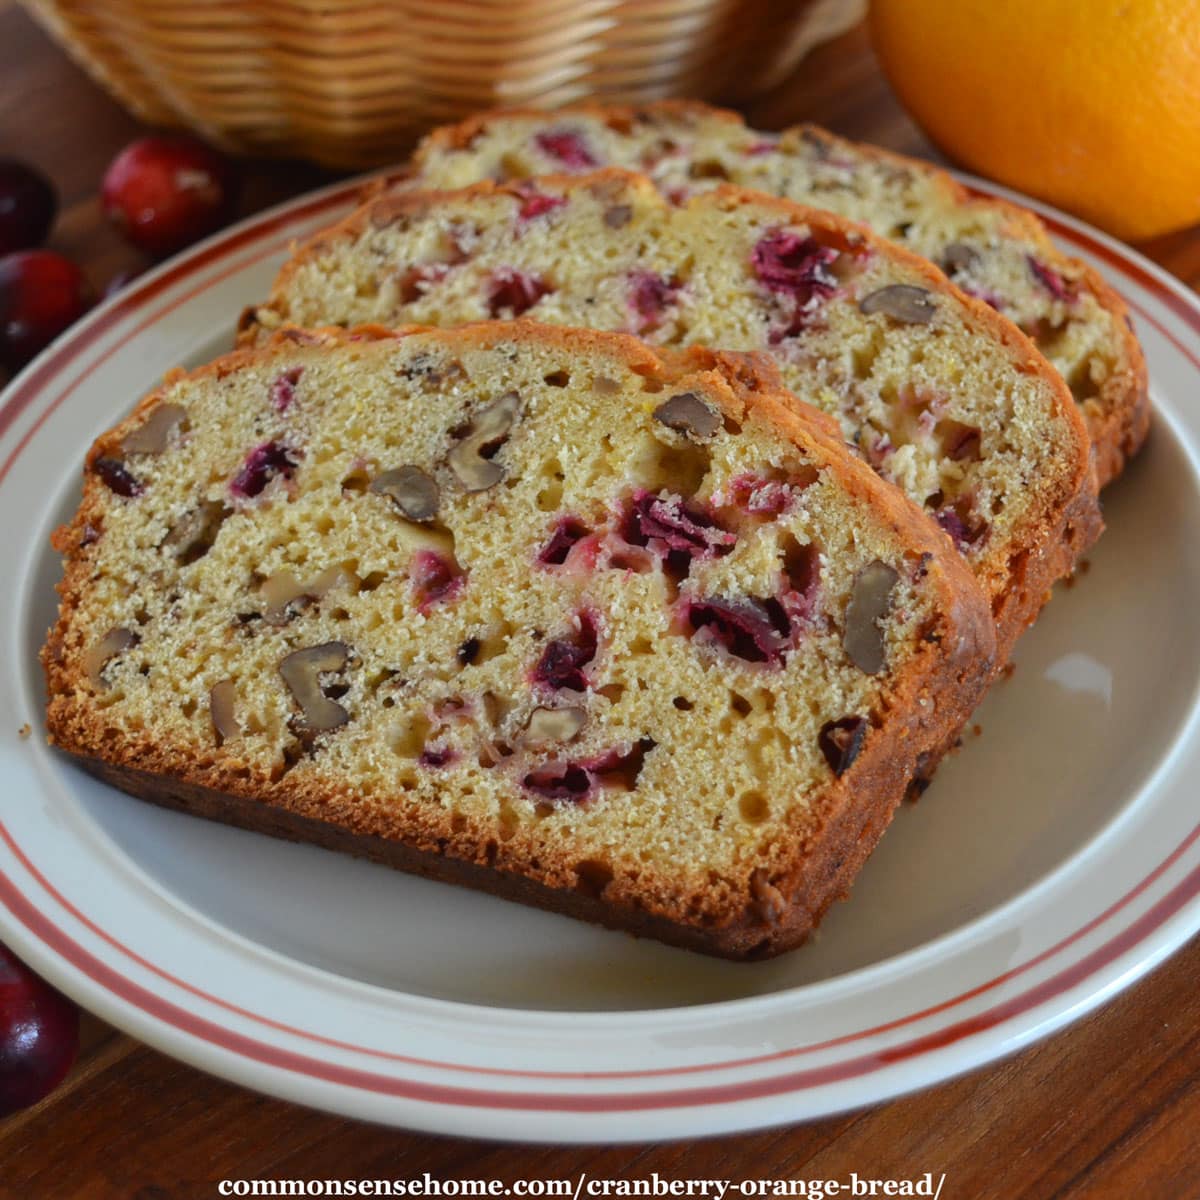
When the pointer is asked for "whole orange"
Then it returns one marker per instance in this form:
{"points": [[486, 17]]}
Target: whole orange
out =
{"points": [[1093, 105]]}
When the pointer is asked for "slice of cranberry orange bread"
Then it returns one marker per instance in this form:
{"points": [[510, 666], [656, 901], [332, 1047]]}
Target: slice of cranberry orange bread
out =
{"points": [[943, 396], [993, 249], [536, 610]]}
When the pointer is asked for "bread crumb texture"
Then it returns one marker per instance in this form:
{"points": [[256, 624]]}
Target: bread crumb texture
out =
{"points": [[993, 250], [537, 599], [940, 395]]}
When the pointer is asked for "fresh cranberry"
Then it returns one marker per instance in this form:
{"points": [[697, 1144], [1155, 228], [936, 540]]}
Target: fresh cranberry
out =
{"points": [[567, 533], [840, 742], [117, 477], [795, 266], [562, 661], [753, 630], [567, 147], [534, 204], [755, 149], [283, 389], [163, 193], [39, 1035], [435, 579], [675, 531], [650, 296], [28, 206], [559, 781], [41, 293], [513, 292], [263, 464], [1050, 279]]}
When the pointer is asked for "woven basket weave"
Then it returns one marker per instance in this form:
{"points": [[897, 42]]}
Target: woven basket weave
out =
{"points": [[352, 83]]}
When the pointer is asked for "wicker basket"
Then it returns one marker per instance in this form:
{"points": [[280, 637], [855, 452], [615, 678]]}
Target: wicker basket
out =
{"points": [[352, 83]]}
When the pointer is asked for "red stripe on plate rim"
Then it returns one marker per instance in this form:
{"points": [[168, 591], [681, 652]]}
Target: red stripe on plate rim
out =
{"points": [[29, 387], [576, 1102]]}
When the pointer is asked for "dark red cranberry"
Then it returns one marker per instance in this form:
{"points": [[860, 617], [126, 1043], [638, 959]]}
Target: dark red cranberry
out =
{"points": [[28, 206], [163, 193], [41, 293], [263, 464], [963, 526], [675, 531], [567, 533], [437, 756], [753, 630], [117, 477], [758, 148], [435, 579], [952, 523], [39, 1035], [650, 296], [1050, 279], [795, 266], [840, 742], [534, 204], [283, 389], [562, 661], [512, 292], [787, 262], [567, 147], [615, 768], [559, 781]]}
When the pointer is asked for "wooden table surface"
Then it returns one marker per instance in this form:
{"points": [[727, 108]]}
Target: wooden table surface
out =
{"points": [[1109, 1108]]}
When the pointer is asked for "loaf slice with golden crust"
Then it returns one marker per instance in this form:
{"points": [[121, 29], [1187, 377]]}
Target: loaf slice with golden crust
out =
{"points": [[995, 250], [940, 394], [626, 635]]}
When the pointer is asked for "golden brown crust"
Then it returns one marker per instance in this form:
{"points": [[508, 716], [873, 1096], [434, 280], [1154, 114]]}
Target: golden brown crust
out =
{"points": [[924, 706], [1018, 576], [1117, 422]]}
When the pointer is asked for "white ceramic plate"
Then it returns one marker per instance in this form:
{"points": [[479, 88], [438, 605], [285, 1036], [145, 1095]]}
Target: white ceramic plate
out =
{"points": [[1055, 859]]}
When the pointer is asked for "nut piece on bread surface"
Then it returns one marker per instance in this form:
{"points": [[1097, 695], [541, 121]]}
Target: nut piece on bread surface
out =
{"points": [[992, 249], [670, 667], [939, 393]]}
